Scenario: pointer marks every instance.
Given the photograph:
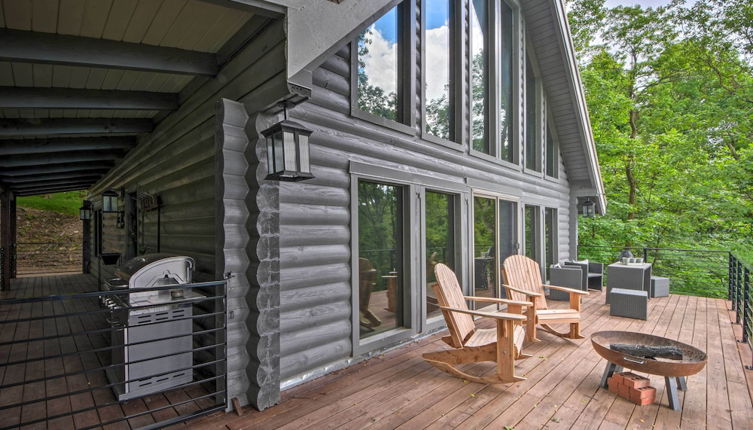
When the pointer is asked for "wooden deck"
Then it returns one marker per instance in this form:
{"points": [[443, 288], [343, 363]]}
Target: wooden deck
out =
{"points": [[96, 407], [400, 390]]}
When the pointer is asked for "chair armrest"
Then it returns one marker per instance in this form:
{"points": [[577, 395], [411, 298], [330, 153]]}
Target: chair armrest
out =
{"points": [[496, 300], [495, 315], [527, 293], [567, 290]]}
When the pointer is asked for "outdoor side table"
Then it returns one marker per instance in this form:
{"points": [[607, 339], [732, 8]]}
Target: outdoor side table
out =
{"points": [[628, 277]]}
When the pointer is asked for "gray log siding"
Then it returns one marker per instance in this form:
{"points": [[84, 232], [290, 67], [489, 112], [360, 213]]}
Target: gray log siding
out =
{"points": [[178, 161], [315, 261]]}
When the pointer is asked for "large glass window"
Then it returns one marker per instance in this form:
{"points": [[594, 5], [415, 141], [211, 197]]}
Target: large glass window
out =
{"points": [[438, 82], [552, 155], [379, 67], [440, 242], [506, 84], [508, 229], [479, 76], [380, 262], [550, 240], [532, 232], [484, 247], [533, 153]]}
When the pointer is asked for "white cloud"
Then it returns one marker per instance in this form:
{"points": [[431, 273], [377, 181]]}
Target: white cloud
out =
{"points": [[438, 63], [380, 64]]}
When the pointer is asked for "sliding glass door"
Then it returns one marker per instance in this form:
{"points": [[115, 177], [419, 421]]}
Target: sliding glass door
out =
{"points": [[495, 237], [439, 242]]}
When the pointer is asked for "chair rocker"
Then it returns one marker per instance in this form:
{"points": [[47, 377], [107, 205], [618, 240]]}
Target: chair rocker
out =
{"points": [[523, 279], [501, 344]]}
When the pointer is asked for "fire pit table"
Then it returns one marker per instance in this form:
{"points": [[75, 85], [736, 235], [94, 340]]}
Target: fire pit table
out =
{"points": [[687, 361]]}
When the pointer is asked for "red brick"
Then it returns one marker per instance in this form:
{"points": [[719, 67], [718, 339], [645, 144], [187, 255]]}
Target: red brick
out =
{"points": [[635, 381], [613, 385], [637, 395], [624, 391], [617, 378]]}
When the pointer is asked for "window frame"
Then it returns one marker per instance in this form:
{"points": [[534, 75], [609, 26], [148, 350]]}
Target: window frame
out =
{"points": [[551, 130], [409, 299], [492, 93], [406, 74], [472, 239], [457, 30], [541, 116], [554, 243]]}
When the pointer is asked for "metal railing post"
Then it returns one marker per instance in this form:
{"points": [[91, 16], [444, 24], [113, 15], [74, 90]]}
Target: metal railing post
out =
{"points": [[746, 304], [645, 255], [730, 280]]}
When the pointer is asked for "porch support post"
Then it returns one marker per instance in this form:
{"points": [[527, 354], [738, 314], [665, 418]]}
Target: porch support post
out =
{"points": [[13, 237], [5, 240]]}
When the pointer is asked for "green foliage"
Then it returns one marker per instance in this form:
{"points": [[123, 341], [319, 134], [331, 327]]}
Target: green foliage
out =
{"points": [[670, 91], [64, 203]]}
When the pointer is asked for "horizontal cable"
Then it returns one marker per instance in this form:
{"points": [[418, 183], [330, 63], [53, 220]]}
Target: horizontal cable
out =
{"points": [[112, 366]]}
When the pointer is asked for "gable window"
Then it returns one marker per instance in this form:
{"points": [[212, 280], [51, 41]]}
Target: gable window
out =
{"points": [[532, 119], [552, 154], [506, 84], [380, 77], [439, 61], [479, 76]]}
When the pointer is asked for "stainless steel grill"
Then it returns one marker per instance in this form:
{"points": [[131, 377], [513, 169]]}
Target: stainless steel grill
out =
{"points": [[151, 325]]}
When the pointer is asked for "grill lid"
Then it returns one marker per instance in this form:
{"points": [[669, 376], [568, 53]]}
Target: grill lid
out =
{"points": [[150, 270]]}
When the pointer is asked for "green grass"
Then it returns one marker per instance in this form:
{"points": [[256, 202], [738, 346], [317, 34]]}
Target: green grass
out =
{"points": [[64, 203]]}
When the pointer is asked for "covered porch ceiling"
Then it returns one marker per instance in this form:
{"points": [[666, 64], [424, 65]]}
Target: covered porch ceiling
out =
{"points": [[81, 81]]}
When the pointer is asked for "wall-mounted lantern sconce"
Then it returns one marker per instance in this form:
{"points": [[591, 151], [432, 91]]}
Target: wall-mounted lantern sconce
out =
{"points": [[109, 202], [288, 151], [85, 211], [589, 208]]}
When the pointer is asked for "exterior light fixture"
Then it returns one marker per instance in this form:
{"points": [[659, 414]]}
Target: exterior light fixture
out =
{"points": [[109, 202], [288, 151], [85, 211], [589, 208]]}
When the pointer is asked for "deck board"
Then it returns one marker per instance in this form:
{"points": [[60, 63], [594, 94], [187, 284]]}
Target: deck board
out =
{"points": [[399, 390]]}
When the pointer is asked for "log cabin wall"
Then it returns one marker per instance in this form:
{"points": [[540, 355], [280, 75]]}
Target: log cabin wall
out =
{"points": [[316, 285], [202, 210]]}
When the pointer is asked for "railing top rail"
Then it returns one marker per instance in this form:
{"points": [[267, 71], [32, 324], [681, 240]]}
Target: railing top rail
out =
{"points": [[120, 292], [720, 251]]}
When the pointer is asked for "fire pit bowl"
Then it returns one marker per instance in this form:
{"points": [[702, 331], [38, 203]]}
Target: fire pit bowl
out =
{"points": [[693, 359]]}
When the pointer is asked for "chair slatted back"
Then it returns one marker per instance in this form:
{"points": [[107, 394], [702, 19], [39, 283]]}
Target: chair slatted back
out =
{"points": [[449, 294], [524, 274]]}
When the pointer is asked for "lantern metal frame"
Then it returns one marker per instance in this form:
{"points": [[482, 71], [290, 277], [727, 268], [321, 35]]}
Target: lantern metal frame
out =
{"points": [[85, 211], [110, 202], [288, 151], [589, 208]]}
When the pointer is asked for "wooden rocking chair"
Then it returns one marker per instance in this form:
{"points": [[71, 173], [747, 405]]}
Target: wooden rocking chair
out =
{"points": [[501, 344], [524, 279]]}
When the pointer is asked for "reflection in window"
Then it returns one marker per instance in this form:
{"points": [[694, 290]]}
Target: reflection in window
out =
{"points": [[380, 262], [378, 67], [479, 77], [484, 247], [440, 242], [532, 120], [506, 84], [550, 240], [532, 232], [508, 229], [552, 155], [438, 82]]}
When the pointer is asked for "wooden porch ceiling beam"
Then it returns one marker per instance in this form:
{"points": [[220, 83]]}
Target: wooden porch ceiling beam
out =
{"points": [[18, 180], [50, 190], [68, 98], [48, 48], [69, 144], [22, 127], [51, 183], [64, 167], [44, 160]]}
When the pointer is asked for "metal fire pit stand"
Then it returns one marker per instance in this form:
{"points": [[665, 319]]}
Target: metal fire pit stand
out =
{"points": [[672, 383]]}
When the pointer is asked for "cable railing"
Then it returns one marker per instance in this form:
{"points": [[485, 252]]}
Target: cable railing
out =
{"points": [[739, 295], [147, 357]]}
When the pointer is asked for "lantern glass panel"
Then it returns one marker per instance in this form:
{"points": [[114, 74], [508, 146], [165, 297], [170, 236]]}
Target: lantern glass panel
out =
{"points": [[270, 154], [304, 164], [279, 152], [84, 213], [290, 150], [109, 203]]}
